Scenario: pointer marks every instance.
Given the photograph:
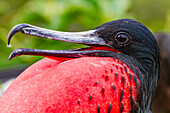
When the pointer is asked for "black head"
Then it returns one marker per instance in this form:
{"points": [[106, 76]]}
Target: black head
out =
{"points": [[133, 39]]}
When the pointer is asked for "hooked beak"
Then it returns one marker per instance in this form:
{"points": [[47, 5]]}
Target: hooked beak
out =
{"points": [[98, 46]]}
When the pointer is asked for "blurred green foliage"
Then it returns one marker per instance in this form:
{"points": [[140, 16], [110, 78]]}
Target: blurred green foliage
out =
{"points": [[71, 15]]}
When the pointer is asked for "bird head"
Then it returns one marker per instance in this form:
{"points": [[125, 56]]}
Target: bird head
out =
{"points": [[131, 38], [124, 36]]}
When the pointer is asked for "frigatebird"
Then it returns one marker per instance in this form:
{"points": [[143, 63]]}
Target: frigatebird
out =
{"points": [[117, 72]]}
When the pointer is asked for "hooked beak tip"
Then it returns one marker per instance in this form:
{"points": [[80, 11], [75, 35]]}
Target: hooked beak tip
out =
{"points": [[15, 30], [16, 52], [10, 57]]}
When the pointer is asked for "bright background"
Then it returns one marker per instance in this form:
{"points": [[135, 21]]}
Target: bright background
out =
{"points": [[69, 15]]}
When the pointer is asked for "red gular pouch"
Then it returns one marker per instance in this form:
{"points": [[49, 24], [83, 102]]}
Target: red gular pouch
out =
{"points": [[87, 84]]}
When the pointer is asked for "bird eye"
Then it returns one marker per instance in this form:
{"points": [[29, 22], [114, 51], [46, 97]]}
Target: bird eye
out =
{"points": [[122, 38]]}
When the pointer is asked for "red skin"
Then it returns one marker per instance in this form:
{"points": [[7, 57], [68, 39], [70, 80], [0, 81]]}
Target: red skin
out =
{"points": [[65, 86]]}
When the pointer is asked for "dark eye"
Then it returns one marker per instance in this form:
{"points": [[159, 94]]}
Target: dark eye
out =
{"points": [[122, 38]]}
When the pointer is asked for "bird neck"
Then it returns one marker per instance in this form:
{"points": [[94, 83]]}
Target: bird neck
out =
{"points": [[147, 70], [148, 73], [150, 68]]}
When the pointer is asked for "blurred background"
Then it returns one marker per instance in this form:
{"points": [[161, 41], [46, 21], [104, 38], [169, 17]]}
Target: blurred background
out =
{"points": [[80, 15]]}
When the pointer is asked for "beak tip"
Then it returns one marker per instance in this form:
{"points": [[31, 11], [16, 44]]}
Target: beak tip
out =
{"points": [[15, 30], [15, 53], [10, 57]]}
